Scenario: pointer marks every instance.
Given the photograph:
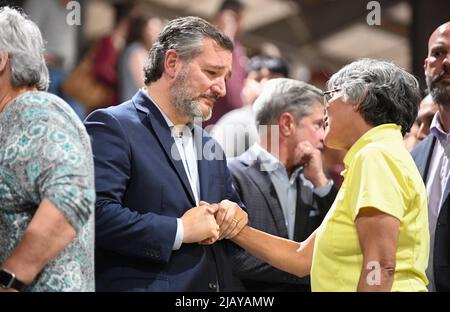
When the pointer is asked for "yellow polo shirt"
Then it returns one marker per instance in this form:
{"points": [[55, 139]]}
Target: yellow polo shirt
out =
{"points": [[380, 173]]}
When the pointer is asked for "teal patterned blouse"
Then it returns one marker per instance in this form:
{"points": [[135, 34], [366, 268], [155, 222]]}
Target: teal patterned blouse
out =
{"points": [[45, 152]]}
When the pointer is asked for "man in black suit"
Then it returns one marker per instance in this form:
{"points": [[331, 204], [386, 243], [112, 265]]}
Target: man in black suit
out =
{"points": [[432, 159], [281, 179]]}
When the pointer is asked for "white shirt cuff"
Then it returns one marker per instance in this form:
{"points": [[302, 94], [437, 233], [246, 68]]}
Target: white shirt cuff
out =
{"points": [[323, 190], [179, 236]]}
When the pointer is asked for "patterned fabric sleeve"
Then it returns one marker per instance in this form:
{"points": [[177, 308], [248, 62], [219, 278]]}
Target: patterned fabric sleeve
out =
{"points": [[63, 168]]}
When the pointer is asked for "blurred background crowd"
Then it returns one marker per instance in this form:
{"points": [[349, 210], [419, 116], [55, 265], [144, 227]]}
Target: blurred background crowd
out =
{"points": [[103, 49]]}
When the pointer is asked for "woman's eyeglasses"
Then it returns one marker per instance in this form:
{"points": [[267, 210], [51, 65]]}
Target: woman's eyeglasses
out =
{"points": [[328, 95]]}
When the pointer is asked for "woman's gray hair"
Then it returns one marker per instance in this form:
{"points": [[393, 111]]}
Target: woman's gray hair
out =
{"points": [[22, 39], [285, 95], [185, 35], [386, 92]]}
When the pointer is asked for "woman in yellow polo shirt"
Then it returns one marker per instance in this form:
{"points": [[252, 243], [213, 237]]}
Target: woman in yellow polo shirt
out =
{"points": [[375, 236]]}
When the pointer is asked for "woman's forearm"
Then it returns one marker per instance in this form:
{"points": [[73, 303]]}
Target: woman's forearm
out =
{"points": [[376, 276], [46, 236], [284, 254]]}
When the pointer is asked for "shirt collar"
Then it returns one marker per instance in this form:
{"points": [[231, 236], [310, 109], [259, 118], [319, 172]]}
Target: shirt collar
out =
{"points": [[376, 134], [437, 130], [264, 156], [269, 162]]}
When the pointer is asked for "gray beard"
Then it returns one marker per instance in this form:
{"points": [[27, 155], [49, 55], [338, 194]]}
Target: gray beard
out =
{"points": [[183, 99], [439, 93]]}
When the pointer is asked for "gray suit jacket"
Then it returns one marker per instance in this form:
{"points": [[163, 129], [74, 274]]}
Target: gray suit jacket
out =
{"points": [[258, 193], [441, 257]]}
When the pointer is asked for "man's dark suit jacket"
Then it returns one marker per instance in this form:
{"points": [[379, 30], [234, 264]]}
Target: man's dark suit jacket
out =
{"points": [[141, 190], [264, 209], [441, 258]]}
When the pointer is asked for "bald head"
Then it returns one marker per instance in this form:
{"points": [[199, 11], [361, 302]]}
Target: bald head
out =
{"points": [[437, 65], [438, 33]]}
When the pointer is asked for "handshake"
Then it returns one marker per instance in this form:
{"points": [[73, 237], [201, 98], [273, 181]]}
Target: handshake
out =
{"points": [[208, 223]]}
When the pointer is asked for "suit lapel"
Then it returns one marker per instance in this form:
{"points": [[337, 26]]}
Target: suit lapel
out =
{"points": [[262, 181], [446, 193], [424, 159], [423, 164], [162, 131], [203, 164]]}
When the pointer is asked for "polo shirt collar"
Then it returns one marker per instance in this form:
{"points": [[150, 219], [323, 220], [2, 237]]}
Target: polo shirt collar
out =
{"points": [[378, 133]]}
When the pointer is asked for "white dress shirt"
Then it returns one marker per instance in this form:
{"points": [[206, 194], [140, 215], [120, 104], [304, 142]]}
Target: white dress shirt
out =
{"points": [[437, 179]]}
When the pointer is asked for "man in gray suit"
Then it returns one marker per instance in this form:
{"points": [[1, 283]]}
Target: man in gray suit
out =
{"points": [[281, 178], [432, 157]]}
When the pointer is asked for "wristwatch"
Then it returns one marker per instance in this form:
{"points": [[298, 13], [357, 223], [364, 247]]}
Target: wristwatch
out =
{"points": [[8, 280]]}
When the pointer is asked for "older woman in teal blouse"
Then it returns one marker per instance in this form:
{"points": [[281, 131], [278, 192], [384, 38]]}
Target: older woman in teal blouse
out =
{"points": [[46, 173]]}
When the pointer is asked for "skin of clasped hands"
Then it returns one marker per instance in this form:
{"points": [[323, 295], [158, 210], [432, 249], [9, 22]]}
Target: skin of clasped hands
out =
{"points": [[207, 223]]}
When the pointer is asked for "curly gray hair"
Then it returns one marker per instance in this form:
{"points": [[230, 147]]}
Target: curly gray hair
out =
{"points": [[22, 40], [386, 92]]}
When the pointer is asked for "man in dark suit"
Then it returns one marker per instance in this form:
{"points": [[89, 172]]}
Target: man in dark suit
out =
{"points": [[432, 159], [154, 168], [281, 179]]}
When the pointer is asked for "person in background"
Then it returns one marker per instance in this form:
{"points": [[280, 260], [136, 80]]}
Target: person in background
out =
{"points": [[60, 37], [411, 139], [427, 110], [229, 20], [285, 189], [421, 128], [46, 173], [142, 33], [375, 236], [61, 43], [108, 49], [333, 163], [236, 130], [432, 158]]}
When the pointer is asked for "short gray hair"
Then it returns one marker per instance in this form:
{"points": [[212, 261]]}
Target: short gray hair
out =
{"points": [[185, 35], [282, 95], [386, 92], [22, 39]]}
